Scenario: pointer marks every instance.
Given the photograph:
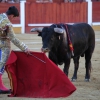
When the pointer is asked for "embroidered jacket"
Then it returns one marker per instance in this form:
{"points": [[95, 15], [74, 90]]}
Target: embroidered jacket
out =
{"points": [[7, 34]]}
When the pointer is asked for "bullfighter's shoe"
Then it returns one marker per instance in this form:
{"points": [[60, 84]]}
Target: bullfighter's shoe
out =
{"points": [[5, 91]]}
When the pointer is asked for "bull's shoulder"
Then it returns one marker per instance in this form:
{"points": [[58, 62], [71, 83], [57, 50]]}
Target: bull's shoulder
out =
{"points": [[77, 26]]}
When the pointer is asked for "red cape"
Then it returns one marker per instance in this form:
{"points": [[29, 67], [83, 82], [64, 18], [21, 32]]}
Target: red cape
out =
{"points": [[36, 76]]}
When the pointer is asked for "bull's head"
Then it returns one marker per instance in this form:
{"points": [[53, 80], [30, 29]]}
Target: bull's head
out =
{"points": [[49, 36]]}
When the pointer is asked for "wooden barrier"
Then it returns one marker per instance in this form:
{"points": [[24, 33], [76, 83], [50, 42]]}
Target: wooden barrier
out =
{"points": [[47, 13], [55, 13], [96, 12]]}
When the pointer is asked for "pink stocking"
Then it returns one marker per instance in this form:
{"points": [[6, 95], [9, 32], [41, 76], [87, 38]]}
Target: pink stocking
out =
{"points": [[2, 87]]}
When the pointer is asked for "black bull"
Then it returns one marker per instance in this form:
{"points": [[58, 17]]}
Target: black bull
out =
{"points": [[55, 41]]}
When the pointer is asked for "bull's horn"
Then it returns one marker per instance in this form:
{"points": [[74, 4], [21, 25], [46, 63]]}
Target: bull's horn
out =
{"points": [[58, 30], [36, 29]]}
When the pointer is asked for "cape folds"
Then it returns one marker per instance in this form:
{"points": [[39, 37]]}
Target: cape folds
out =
{"points": [[36, 76]]}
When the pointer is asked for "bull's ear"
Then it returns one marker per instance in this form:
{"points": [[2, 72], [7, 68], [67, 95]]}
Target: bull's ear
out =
{"points": [[39, 29], [59, 30]]}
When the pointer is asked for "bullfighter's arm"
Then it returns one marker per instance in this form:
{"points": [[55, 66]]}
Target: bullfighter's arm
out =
{"points": [[15, 40]]}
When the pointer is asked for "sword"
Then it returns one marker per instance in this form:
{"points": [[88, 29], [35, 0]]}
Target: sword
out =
{"points": [[37, 58]]}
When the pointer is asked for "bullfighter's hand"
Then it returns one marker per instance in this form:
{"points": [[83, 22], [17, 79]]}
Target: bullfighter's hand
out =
{"points": [[27, 51]]}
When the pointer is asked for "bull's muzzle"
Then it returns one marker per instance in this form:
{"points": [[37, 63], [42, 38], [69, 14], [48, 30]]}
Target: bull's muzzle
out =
{"points": [[45, 50]]}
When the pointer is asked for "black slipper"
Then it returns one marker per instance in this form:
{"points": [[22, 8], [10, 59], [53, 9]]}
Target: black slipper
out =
{"points": [[5, 91]]}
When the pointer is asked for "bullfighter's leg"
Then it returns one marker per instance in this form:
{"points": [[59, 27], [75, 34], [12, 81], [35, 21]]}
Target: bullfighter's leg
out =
{"points": [[66, 66], [76, 66], [88, 66], [4, 54]]}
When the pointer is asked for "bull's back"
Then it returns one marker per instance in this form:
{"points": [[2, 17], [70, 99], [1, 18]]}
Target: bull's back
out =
{"points": [[83, 37]]}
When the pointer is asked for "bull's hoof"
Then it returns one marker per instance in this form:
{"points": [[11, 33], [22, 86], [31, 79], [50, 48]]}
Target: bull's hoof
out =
{"points": [[87, 80], [60, 63], [73, 80]]}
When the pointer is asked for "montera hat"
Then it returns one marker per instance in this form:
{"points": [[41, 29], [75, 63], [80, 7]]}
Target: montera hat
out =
{"points": [[13, 10]]}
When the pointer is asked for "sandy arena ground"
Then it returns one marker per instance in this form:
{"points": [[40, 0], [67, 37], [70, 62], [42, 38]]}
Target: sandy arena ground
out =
{"points": [[85, 90]]}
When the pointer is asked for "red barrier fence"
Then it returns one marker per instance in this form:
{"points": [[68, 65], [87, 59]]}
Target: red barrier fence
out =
{"points": [[96, 12], [55, 13], [43, 13]]}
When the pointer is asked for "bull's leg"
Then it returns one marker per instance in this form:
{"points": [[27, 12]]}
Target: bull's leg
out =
{"points": [[76, 66], [52, 57], [66, 66], [88, 56]]}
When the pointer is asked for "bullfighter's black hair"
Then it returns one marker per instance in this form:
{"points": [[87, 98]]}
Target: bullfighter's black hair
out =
{"points": [[12, 11]]}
